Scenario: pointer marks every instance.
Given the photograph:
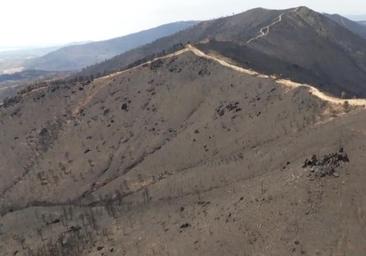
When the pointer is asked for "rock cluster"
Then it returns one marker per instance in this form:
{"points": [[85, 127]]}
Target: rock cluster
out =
{"points": [[326, 165], [228, 107]]}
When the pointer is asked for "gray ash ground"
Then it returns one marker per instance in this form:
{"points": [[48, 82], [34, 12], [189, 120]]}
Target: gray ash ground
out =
{"points": [[162, 163]]}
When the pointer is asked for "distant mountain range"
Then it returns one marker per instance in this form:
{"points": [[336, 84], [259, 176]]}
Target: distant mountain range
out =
{"points": [[79, 56], [326, 50], [13, 59]]}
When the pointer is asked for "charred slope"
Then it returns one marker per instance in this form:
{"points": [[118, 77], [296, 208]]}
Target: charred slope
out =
{"points": [[355, 27], [297, 43], [181, 156], [77, 57], [307, 47]]}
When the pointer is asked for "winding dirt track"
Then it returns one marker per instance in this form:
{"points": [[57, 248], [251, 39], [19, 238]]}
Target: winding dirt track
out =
{"points": [[288, 83], [100, 82], [265, 30]]}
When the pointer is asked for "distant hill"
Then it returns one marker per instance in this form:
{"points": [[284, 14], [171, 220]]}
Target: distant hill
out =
{"points": [[13, 60], [363, 23], [298, 43], [353, 26], [79, 56]]}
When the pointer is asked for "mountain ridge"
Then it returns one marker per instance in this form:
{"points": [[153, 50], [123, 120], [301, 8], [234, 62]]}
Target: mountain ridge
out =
{"points": [[75, 57], [234, 32]]}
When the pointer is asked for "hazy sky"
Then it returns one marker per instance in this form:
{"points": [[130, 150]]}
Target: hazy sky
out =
{"points": [[45, 22]]}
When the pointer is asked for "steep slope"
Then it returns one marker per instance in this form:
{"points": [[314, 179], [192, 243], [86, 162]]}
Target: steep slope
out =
{"points": [[306, 46], [76, 57], [355, 27], [184, 155], [297, 43]]}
